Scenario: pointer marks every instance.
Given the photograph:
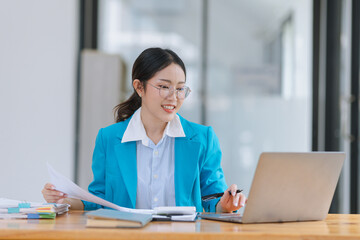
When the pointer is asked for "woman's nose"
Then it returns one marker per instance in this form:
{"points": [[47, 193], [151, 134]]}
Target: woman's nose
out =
{"points": [[172, 94]]}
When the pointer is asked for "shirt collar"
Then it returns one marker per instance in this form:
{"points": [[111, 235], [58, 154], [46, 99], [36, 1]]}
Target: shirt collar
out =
{"points": [[135, 130]]}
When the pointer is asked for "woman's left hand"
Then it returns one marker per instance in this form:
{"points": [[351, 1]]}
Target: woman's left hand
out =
{"points": [[229, 203]]}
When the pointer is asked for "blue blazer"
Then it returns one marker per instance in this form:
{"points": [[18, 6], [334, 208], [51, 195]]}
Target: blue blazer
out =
{"points": [[197, 167]]}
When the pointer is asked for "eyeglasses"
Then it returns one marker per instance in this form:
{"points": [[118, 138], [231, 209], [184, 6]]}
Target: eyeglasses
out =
{"points": [[165, 91]]}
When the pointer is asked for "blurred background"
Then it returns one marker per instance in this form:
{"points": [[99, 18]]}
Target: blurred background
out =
{"points": [[266, 75]]}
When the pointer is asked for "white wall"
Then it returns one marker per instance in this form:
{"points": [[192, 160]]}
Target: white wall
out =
{"points": [[38, 57]]}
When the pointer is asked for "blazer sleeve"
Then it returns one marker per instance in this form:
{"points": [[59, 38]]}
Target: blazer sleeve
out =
{"points": [[212, 178], [97, 186]]}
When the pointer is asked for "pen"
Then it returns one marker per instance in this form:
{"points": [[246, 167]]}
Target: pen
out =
{"points": [[217, 195]]}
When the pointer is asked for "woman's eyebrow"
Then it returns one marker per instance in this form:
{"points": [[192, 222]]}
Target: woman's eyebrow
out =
{"points": [[169, 81]]}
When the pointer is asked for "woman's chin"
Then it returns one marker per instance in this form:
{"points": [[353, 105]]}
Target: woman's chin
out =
{"points": [[167, 117]]}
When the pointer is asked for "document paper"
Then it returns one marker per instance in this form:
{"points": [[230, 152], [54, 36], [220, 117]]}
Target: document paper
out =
{"points": [[65, 185]]}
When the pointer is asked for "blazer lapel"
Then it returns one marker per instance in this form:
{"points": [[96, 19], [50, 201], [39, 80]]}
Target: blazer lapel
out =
{"points": [[126, 157], [186, 165]]}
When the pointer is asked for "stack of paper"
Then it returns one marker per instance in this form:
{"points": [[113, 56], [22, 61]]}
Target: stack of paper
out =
{"points": [[10, 209], [183, 214]]}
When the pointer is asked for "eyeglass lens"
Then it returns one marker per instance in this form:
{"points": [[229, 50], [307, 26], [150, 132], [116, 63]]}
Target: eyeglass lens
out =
{"points": [[180, 93]]}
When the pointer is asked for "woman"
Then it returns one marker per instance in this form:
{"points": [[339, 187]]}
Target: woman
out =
{"points": [[152, 156]]}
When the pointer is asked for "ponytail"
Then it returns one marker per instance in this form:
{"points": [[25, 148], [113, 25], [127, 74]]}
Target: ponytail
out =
{"points": [[124, 110]]}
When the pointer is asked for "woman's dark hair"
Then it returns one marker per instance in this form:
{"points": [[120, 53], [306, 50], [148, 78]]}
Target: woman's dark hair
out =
{"points": [[148, 63]]}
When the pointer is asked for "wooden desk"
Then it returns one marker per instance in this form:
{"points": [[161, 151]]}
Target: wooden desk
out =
{"points": [[72, 226]]}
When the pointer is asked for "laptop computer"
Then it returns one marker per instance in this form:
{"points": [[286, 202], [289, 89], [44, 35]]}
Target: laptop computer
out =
{"points": [[289, 187]]}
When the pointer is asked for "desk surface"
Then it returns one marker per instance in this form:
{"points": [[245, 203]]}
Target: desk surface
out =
{"points": [[72, 226]]}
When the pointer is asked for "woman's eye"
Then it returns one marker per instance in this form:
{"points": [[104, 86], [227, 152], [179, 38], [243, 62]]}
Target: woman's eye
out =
{"points": [[162, 86], [180, 89]]}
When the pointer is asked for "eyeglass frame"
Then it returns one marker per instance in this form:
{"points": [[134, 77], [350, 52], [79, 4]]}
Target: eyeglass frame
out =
{"points": [[172, 91]]}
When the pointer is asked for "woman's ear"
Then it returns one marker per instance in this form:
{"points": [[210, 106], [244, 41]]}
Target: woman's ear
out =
{"points": [[138, 86]]}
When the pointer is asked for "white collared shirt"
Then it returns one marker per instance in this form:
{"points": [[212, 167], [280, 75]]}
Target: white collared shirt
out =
{"points": [[155, 163]]}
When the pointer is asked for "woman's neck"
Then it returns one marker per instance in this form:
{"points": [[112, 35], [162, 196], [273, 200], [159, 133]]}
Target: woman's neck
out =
{"points": [[153, 127]]}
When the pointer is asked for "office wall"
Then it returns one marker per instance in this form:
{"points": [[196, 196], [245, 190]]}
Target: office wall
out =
{"points": [[38, 56]]}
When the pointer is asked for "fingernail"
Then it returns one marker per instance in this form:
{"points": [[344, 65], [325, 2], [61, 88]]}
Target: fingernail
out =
{"points": [[242, 205], [52, 188], [233, 193], [235, 204], [61, 194]]}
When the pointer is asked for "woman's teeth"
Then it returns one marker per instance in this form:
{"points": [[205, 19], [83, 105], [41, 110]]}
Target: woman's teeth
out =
{"points": [[168, 107]]}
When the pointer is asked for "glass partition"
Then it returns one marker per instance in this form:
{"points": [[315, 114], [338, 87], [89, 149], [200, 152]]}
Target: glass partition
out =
{"points": [[259, 81]]}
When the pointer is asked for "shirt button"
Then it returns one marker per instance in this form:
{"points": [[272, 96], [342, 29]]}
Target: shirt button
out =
{"points": [[155, 199], [156, 176], [156, 152]]}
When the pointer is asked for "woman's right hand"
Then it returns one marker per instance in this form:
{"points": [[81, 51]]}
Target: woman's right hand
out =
{"points": [[51, 195]]}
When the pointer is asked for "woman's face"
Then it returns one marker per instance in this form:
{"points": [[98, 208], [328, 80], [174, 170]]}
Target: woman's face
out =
{"points": [[162, 108]]}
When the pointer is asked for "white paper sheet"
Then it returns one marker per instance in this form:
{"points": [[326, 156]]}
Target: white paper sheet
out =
{"points": [[65, 185], [10, 203], [176, 218]]}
